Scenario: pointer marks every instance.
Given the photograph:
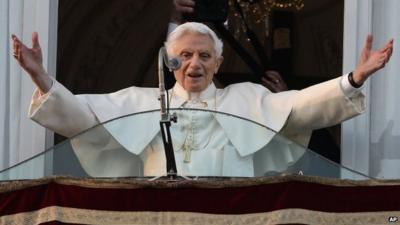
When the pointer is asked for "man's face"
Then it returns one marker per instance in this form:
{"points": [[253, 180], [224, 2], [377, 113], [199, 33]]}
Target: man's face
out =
{"points": [[199, 61]]}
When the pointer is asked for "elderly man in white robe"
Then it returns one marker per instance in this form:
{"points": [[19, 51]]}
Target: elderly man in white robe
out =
{"points": [[225, 152]]}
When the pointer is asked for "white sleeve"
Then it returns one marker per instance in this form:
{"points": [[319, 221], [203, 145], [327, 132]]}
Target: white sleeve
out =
{"points": [[61, 111], [323, 105]]}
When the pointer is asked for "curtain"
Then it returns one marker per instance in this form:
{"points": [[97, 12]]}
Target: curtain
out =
{"points": [[20, 138], [370, 143], [385, 107]]}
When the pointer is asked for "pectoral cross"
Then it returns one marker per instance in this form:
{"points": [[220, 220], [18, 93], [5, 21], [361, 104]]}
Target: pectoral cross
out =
{"points": [[187, 150]]}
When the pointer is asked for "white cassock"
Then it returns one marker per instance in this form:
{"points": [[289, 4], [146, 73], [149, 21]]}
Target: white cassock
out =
{"points": [[205, 144]]}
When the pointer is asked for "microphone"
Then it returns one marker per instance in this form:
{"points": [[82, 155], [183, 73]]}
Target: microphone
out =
{"points": [[173, 63]]}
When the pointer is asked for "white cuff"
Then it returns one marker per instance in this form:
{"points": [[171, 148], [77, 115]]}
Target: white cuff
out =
{"points": [[347, 88], [38, 98], [40, 95]]}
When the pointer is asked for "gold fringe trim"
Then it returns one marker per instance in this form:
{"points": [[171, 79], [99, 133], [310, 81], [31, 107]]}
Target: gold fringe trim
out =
{"points": [[287, 216], [215, 182]]}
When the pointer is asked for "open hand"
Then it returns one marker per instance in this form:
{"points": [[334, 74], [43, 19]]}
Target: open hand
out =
{"points": [[372, 60], [31, 60]]}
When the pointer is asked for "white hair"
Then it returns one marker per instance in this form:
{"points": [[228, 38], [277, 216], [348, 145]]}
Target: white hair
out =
{"points": [[196, 28]]}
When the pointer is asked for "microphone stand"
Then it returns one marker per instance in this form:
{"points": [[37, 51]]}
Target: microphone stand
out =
{"points": [[166, 118]]}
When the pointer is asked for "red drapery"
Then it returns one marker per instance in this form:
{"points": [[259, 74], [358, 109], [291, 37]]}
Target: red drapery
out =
{"points": [[279, 200]]}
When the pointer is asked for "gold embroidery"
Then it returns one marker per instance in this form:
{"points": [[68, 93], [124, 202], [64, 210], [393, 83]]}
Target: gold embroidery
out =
{"points": [[189, 143], [222, 182], [187, 151], [101, 217]]}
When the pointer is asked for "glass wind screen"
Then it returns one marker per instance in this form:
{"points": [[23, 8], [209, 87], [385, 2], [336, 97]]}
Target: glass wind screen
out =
{"points": [[206, 143]]}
